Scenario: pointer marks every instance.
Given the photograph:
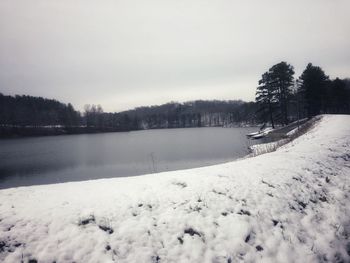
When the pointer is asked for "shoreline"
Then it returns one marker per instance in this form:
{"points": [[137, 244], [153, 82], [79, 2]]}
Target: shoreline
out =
{"points": [[28, 132]]}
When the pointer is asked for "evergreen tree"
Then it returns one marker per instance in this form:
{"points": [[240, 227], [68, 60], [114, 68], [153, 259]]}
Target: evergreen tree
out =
{"points": [[314, 89], [282, 80], [274, 91], [266, 97], [339, 99]]}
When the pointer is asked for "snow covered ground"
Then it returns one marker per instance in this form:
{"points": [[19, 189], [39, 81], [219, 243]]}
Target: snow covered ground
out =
{"points": [[291, 205]]}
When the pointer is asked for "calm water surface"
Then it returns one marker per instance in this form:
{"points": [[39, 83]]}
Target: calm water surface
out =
{"points": [[44, 160]]}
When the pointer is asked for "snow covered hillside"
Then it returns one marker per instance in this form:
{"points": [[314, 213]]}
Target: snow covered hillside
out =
{"points": [[291, 205]]}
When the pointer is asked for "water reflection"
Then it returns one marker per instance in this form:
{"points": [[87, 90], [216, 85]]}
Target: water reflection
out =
{"points": [[45, 160]]}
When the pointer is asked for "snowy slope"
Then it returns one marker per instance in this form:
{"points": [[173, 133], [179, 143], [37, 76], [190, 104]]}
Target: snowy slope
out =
{"points": [[292, 205]]}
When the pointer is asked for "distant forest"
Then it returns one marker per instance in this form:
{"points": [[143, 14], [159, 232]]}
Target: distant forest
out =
{"points": [[35, 112], [280, 99]]}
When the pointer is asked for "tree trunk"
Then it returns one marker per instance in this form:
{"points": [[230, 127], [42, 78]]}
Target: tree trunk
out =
{"points": [[271, 117]]}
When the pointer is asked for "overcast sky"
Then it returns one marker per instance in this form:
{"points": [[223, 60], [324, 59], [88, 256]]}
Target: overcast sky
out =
{"points": [[127, 53]]}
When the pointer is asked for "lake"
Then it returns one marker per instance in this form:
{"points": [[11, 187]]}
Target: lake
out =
{"points": [[55, 159]]}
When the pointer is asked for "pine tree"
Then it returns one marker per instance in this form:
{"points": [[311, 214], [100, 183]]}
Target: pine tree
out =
{"points": [[339, 100], [274, 91], [266, 97], [282, 80], [314, 89]]}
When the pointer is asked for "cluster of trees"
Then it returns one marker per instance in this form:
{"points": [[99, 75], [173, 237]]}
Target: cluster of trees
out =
{"points": [[174, 115], [36, 112], [281, 98], [318, 94]]}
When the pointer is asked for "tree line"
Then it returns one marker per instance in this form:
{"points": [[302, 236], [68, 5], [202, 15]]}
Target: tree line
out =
{"points": [[281, 98], [36, 112], [174, 115]]}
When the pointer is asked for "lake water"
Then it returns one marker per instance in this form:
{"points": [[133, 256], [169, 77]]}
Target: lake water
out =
{"points": [[54, 159]]}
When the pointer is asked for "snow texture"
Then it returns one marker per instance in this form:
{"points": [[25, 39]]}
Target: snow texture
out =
{"points": [[291, 205]]}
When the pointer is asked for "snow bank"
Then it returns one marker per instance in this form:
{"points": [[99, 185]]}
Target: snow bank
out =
{"points": [[291, 205]]}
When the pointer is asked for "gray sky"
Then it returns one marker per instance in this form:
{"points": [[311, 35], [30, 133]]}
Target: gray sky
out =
{"points": [[127, 53]]}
